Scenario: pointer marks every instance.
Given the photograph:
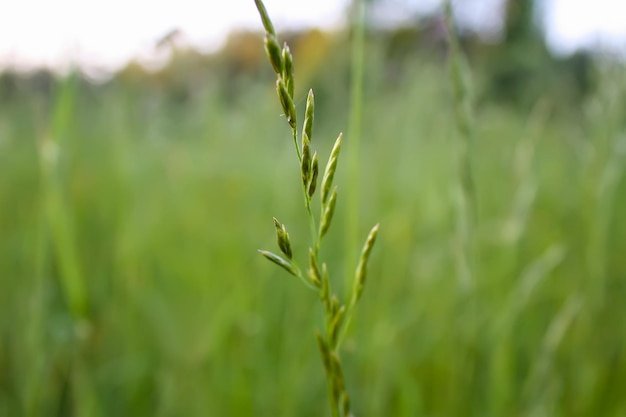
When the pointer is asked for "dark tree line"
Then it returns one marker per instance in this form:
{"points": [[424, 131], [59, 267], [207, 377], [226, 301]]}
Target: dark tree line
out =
{"points": [[519, 69]]}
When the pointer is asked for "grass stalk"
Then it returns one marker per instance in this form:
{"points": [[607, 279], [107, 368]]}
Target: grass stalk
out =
{"points": [[354, 130], [56, 209], [459, 78], [58, 228], [466, 209], [336, 313]]}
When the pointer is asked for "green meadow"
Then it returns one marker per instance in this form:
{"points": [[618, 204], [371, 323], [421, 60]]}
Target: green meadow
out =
{"points": [[130, 283]]}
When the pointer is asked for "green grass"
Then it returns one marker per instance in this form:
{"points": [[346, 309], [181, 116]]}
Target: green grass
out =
{"points": [[165, 205]]}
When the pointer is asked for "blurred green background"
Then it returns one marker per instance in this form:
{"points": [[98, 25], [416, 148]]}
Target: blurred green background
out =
{"points": [[131, 209]]}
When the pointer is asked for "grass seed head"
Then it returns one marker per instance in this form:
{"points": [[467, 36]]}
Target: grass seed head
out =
{"points": [[329, 211], [339, 381], [314, 272], [281, 60], [288, 75], [325, 352], [331, 167], [361, 270], [265, 17], [314, 173], [283, 239], [305, 163], [286, 265], [309, 115], [287, 102], [335, 326], [272, 49]]}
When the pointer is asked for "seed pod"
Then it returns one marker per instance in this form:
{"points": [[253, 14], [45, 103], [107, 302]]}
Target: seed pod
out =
{"points": [[272, 49], [361, 269], [309, 115], [314, 173], [288, 69], [283, 239], [305, 163], [329, 172], [265, 17], [328, 213], [286, 265], [285, 100]]}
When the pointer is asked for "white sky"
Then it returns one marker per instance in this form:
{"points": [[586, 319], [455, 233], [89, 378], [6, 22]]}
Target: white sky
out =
{"points": [[585, 22], [107, 33]]}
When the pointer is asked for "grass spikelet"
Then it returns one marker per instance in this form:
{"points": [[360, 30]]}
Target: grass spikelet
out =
{"points": [[314, 173], [329, 211], [272, 49], [305, 163], [324, 351], [287, 73], [265, 17], [283, 239], [361, 270], [309, 115], [286, 265], [331, 166], [335, 326], [314, 272], [335, 363], [287, 102]]}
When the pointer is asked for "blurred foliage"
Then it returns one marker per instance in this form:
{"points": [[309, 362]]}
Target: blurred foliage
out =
{"points": [[518, 70], [521, 70]]}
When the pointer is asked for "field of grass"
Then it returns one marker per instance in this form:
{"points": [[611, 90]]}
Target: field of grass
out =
{"points": [[130, 282]]}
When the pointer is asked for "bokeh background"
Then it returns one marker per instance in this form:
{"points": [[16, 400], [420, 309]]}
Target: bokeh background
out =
{"points": [[137, 183]]}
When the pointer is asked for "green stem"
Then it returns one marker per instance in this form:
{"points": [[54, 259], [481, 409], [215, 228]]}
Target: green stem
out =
{"points": [[459, 75], [346, 322], [294, 134], [354, 129], [307, 199], [312, 225], [334, 406], [303, 278]]}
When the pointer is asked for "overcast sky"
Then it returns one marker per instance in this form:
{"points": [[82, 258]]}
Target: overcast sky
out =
{"points": [[107, 33]]}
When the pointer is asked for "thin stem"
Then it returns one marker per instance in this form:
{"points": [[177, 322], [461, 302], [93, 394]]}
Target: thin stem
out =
{"points": [[463, 112], [313, 227], [354, 129], [347, 321], [307, 199], [334, 406], [294, 133], [302, 278]]}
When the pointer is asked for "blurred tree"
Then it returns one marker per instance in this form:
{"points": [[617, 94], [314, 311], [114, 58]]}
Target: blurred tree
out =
{"points": [[521, 69], [519, 21], [517, 16], [517, 69]]}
